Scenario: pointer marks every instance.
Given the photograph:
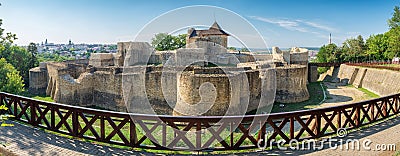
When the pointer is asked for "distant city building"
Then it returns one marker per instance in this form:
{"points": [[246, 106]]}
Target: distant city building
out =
{"points": [[78, 51]]}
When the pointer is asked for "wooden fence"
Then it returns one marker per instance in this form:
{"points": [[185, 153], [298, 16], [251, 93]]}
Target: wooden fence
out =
{"points": [[197, 133], [381, 65]]}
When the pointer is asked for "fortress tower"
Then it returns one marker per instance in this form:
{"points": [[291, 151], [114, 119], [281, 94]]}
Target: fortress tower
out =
{"points": [[214, 34]]}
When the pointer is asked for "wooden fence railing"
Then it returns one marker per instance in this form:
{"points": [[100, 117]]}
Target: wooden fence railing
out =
{"points": [[197, 133], [324, 64], [379, 65]]}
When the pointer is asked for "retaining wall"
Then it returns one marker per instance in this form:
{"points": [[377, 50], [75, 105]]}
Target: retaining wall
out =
{"points": [[380, 81]]}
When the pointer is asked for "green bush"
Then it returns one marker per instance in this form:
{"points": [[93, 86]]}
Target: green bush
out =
{"points": [[322, 70], [10, 80]]}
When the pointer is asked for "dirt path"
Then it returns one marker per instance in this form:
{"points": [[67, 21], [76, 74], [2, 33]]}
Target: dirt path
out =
{"points": [[339, 94]]}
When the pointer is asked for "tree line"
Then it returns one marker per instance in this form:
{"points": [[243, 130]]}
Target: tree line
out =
{"points": [[380, 47]]}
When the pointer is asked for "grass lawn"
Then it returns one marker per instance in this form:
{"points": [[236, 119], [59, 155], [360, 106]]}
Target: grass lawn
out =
{"points": [[368, 93], [316, 96], [43, 98], [37, 96]]}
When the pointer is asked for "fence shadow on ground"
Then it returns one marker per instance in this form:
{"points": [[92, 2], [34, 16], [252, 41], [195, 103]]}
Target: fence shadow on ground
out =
{"points": [[359, 134]]}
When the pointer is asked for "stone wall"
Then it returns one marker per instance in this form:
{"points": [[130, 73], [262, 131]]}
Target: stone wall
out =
{"points": [[189, 89], [75, 91], [299, 58], [53, 80], [78, 61], [102, 87], [359, 77], [291, 84], [313, 74], [136, 53], [38, 79], [185, 56], [224, 92], [347, 74], [380, 81], [107, 91], [101, 59], [263, 57], [207, 42]]}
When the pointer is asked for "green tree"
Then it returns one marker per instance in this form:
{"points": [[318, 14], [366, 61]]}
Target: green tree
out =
{"points": [[394, 22], [10, 80], [45, 57], [163, 41], [21, 59], [17, 56], [329, 53], [33, 50], [354, 49], [179, 41], [377, 46], [244, 50], [393, 43], [8, 38], [232, 48], [6, 41]]}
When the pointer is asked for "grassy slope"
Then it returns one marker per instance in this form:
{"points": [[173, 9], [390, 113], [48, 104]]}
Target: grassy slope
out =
{"points": [[316, 96], [368, 93]]}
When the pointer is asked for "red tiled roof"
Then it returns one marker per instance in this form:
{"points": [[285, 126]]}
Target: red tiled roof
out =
{"points": [[215, 29]]}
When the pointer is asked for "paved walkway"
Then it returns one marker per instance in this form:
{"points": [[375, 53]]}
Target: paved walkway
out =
{"points": [[24, 140], [383, 135]]}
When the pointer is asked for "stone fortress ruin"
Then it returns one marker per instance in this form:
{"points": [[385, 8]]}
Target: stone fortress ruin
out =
{"points": [[202, 73]]}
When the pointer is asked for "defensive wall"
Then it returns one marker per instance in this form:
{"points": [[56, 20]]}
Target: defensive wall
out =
{"points": [[380, 81]]}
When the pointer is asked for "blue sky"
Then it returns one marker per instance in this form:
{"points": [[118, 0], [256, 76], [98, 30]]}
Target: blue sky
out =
{"points": [[283, 23]]}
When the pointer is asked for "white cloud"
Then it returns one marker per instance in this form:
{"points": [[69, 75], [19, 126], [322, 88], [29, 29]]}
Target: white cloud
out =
{"points": [[318, 26], [287, 24], [296, 25]]}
